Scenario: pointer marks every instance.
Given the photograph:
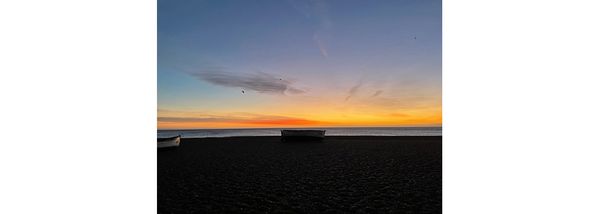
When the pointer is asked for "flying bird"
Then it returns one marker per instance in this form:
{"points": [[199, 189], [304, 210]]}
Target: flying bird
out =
{"points": [[243, 92]]}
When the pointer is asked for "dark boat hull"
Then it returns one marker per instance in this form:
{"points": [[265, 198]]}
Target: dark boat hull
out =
{"points": [[302, 135]]}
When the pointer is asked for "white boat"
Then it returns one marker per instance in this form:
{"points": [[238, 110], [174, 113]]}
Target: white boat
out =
{"points": [[302, 135], [169, 142]]}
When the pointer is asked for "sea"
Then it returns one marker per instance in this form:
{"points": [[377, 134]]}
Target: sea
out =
{"points": [[341, 131]]}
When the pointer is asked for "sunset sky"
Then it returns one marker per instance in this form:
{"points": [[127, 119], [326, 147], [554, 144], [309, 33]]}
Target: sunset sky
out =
{"points": [[299, 63]]}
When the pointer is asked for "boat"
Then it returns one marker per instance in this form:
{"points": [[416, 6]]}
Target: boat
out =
{"points": [[302, 135], [169, 142]]}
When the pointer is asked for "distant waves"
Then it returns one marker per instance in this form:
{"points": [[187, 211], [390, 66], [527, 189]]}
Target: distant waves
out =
{"points": [[381, 131]]}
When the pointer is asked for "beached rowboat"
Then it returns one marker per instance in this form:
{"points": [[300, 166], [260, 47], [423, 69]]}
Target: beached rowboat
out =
{"points": [[287, 135], [169, 142]]}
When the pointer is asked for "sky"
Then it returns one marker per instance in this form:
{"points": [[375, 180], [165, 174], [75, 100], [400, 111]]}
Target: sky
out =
{"points": [[299, 63]]}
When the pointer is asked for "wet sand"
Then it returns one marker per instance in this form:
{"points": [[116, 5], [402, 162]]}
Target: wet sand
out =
{"points": [[339, 175]]}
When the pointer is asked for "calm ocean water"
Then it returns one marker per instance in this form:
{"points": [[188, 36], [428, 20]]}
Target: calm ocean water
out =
{"points": [[384, 131]]}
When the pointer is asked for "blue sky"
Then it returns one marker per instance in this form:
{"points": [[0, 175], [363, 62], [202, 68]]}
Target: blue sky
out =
{"points": [[210, 51]]}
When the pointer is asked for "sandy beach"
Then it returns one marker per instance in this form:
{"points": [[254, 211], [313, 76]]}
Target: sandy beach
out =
{"points": [[339, 175]]}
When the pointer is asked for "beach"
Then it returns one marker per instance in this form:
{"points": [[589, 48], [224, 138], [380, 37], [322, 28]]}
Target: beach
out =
{"points": [[339, 175]]}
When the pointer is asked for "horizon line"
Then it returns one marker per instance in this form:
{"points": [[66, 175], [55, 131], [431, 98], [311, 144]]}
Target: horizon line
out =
{"points": [[316, 127]]}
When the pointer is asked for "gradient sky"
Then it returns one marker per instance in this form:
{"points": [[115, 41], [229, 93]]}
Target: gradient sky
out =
{"points": [[299, 63]]}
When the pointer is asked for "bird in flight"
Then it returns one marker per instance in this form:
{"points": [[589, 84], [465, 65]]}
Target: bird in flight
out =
{"points": [[243, 92]]}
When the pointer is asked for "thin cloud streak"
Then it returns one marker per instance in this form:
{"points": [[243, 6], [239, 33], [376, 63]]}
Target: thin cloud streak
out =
{"points": [[259, 82], [323, 33], [377, 93], [254, 120], [316, 11], [321, 46], [192, 119], [353, 91]]}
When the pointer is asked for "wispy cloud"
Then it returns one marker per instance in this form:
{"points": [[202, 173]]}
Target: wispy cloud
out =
{"points": [[323, 33], [377, 93], [321, 45], [318, 12], [194, 119], [259, 81], [248, 119], [352, 92]]}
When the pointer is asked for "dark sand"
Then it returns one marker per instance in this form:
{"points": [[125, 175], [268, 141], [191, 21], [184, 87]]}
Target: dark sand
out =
{"points": [[339, 175]]}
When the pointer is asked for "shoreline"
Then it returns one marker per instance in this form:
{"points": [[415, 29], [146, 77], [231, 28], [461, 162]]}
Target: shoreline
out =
{"points": [[327, 136]]}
